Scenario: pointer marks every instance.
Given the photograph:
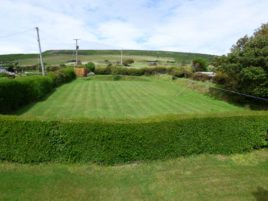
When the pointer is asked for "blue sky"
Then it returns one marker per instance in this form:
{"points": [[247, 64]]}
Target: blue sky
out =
{"points": [[204, 26]]}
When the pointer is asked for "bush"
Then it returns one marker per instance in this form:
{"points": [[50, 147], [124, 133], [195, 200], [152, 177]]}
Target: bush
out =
{"points": [[28, 141], [52, 68], [126, 62], [179, 72], [6, 75], [176, 72], [62, 76], [18, 92], [103, 70], [90, 66], [117, 77], [199, 65], [221, 78]]}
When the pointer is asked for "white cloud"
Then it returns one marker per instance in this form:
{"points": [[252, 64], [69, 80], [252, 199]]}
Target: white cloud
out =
{"points": [[181, 25], [121, 34]]}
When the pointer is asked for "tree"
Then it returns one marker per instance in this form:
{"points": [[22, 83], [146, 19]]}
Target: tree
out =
{"points": [[246, 66], [126, 62], [199, 65]]}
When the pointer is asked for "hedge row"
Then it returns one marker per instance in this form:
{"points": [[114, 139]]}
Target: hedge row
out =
{"points": [[15, 93], [29, 141], [178, 72]]}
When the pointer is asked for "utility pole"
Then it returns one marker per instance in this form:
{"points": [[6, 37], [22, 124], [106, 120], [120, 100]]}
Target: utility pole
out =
{"points": [[76, 49], [40, 51], [121, 56]]}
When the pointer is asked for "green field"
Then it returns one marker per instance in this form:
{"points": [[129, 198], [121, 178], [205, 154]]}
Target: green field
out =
{"points": [[99, 60], [196, 178], [141, 57], [131, 97]]}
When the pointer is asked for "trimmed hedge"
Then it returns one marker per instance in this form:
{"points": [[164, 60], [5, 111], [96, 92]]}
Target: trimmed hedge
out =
{"points": [[15, 93], [139, 71], [29, 141], [62, 76]]}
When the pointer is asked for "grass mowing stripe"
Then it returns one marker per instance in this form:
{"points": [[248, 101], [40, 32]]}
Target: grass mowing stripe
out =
{"points": [[130, 110], [125, 99], [115, 94], [74, 106], [136, 100], [172, 103], [191, 106], [205, 101], [94, 99], [87, 101], [104, 102], [202, 101], [67, 99], [82, 104], [110, 95], [159, 101], [152, 99], [115, 107]]}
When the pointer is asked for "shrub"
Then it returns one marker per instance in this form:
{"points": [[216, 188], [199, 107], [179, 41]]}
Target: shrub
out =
{"points": [[199, 65], [103, 70], [6, 75], [18, 92], [221, 78], [90, 66], [28, 141], [142, 71], [126, 62], [63, 65], [177, 73], [62, 76], [117, 77], [53, 68]]}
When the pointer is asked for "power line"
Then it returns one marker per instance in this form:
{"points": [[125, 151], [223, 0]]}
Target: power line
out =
{"points": [[241, 94], [236, 92]]}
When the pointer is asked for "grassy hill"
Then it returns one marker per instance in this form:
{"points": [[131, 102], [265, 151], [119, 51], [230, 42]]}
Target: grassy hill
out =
{"points": [[53, 57]]}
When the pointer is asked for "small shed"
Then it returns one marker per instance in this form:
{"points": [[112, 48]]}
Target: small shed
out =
{"points": [[209, 74], [152, 63], [80, 71]]}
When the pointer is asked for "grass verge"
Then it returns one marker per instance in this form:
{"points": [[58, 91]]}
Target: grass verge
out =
{"points": [[239, 177]]}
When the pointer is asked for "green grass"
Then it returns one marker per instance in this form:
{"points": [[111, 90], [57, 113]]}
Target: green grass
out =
{"points": [[131, 97], [241, 177]]}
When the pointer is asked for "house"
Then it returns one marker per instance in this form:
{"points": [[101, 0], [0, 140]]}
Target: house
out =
{"points": [[152, 63], [4, 71], [209, 74]]}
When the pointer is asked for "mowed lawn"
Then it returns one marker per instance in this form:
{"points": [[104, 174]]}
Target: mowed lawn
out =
{"points": [[131, 98], [197, 178]]}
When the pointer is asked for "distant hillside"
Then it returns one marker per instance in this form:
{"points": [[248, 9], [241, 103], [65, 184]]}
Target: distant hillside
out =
{"points": [[61, 56], [14, 57], [175, 55]]}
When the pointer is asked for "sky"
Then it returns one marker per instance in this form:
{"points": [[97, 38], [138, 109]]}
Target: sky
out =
{"points": [[201, 26]]}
